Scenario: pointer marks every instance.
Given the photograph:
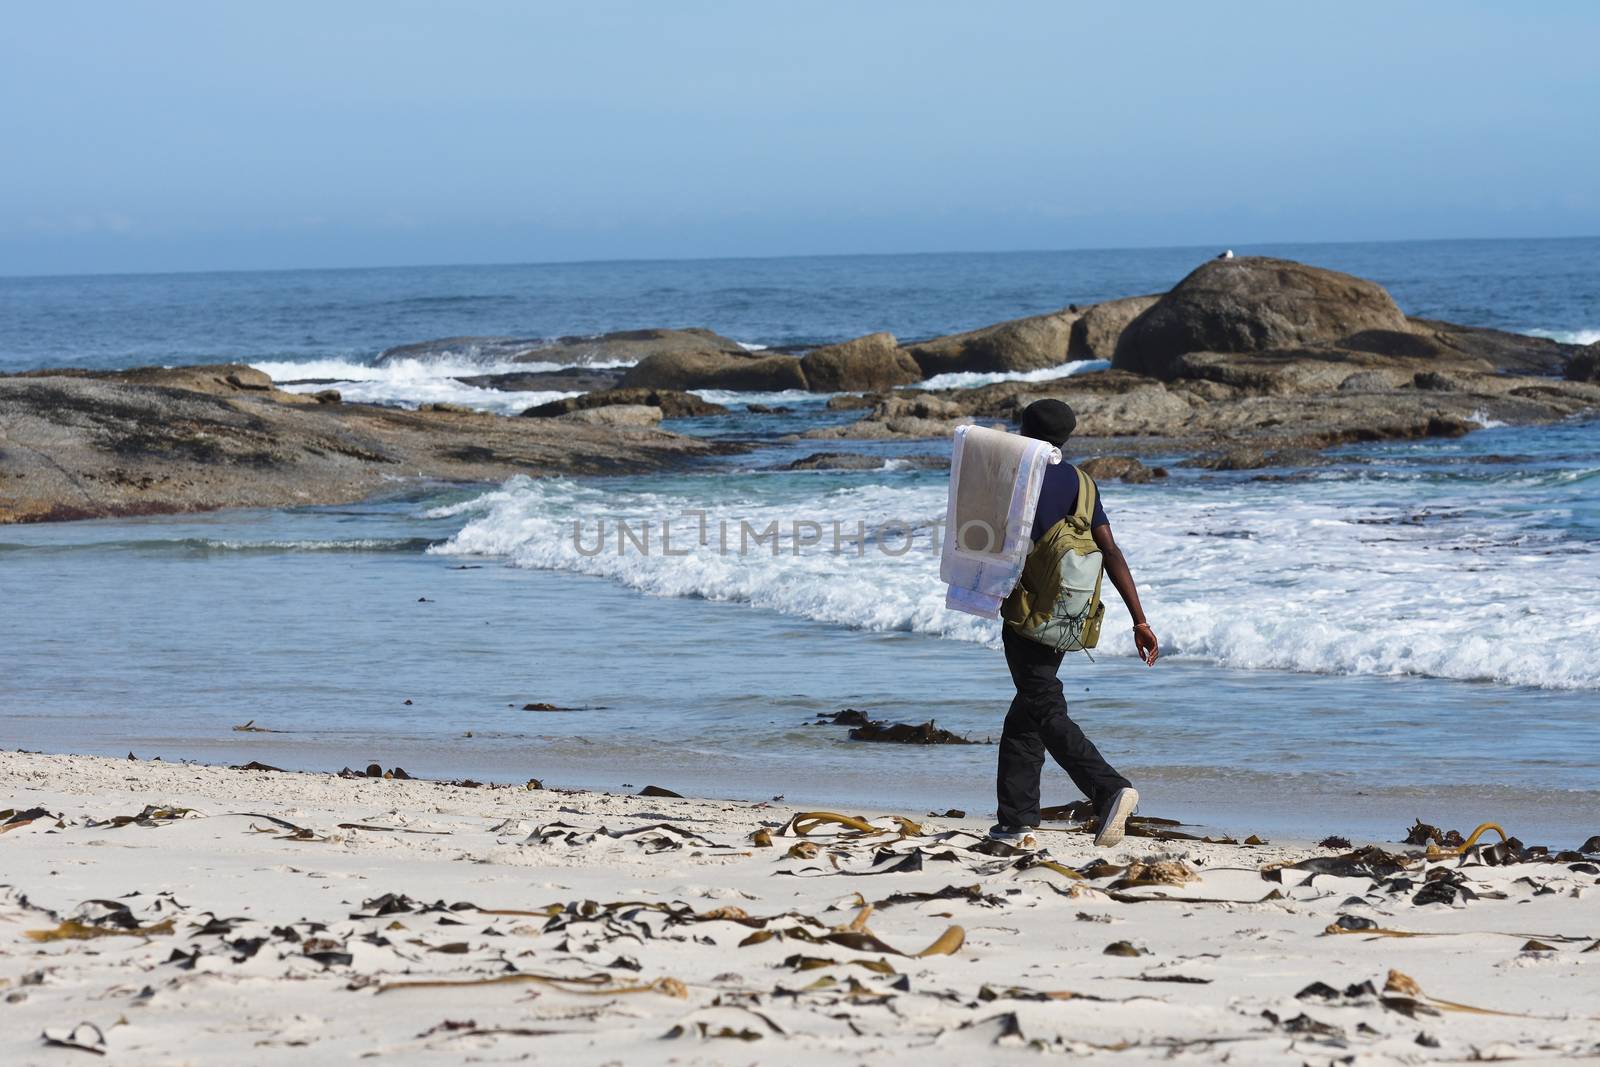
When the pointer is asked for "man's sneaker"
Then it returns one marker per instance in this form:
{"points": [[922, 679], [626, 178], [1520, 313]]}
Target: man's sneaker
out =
{"points": [[1114, 823], [1015, 836]]}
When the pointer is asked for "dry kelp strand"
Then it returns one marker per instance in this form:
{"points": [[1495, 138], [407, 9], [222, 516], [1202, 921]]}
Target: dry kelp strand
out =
{"points": [[85, 1037]]}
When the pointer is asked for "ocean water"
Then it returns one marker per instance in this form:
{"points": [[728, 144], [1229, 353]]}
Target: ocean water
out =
{"points": [[1406, 630]]}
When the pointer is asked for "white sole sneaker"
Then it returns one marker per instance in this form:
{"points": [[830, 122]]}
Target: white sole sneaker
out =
{"points": [[1115, 824], [1025, 840]]}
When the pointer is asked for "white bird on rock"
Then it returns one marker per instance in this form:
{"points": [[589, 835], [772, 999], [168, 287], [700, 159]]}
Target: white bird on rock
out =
{"points": [[1228, 254]]}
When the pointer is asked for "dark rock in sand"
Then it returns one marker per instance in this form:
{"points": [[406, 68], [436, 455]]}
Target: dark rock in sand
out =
{"points": [[1253, 304], [746, 371], [1121, 468], [657, 791], [906, 734], [84, 445], [1095, 334], [867, 363], [673, 403], [1017, 345]]}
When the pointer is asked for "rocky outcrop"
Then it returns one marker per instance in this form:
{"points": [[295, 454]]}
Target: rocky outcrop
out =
{"points": [[856, 461], [1095, 334], [1313, 398], [623, 346], [672, 403], [85, 446], [1585, 366], [1254, 304], [1516, 353], [751, 372], [622, 416], [566, 380], [1127, 469], [865, 364], [1018, 345]]}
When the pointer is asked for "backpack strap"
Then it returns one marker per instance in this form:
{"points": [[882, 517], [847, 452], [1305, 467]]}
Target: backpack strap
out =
{"points": [[1083, 515]]}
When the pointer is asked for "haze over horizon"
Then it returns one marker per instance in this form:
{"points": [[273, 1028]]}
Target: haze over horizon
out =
{"points": [[187, 137]]}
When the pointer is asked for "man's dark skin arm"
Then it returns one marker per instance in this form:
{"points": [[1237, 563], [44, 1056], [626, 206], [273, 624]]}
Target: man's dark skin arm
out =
{"points": [[1117, 568]]}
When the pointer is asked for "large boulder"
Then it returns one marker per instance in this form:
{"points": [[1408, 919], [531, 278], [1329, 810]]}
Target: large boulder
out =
{"points": [[1095, 334], [865, 364], [673, 404], [1017, 345], [715, 370], [1253, 304]]}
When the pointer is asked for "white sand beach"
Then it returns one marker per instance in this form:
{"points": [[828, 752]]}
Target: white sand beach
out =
{"points": [[260, 917]]}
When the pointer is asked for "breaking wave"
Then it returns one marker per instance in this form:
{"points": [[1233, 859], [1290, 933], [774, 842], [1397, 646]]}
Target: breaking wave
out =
{"points": [[409, 383], [972, 379], [1336, 583]]}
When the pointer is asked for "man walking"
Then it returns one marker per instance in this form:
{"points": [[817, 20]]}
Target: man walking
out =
{"points": [[1037, 721]]}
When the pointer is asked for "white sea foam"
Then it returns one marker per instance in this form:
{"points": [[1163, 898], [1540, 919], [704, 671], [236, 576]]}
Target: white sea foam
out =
{"points": [[750, 347], [1249, 577], [411, 382], [972, 379], [785, 397], [1569, 337]]}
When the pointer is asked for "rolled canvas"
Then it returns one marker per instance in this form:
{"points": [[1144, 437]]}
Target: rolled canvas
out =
{"points": [[994, 491]]}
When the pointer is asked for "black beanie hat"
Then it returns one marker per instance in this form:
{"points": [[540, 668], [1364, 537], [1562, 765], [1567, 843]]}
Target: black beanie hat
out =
{"points": [[1049, 420]]}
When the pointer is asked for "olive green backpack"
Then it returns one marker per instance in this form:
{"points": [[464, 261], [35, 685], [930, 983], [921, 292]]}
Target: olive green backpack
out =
{"points": [[1057, 601]]}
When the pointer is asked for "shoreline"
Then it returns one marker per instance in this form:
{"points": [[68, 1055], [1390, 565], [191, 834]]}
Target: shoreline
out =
{"points": [[1188, 802], [176, 913]]}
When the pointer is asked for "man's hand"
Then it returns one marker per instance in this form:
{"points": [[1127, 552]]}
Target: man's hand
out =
{"points": [[1145, 639]]}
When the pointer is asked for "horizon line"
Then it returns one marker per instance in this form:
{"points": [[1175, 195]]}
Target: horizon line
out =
{"points": [[763, 258]]}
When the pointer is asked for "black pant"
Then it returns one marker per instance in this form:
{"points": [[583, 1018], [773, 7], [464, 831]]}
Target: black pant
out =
{"points": [[1037, 723]]}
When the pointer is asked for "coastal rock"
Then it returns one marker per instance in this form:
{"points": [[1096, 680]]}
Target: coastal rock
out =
{"points": [[1095, 335], [566, 380], [82, 446], [867, 363], [1119, 468], [622, 346], [632, 346], [1253, 304], [1585, 366], [672, 403], [616, 415], [835, 461], [747, 372], [1032, 343], [854, 401], [1514, 353], [856, 461]]}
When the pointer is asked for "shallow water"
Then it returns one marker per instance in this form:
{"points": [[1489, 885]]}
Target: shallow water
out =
{"points": [[160, 635], [1405, 630]]}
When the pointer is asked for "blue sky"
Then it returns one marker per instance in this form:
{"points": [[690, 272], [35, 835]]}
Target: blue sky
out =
{"points": [[179, 136]]}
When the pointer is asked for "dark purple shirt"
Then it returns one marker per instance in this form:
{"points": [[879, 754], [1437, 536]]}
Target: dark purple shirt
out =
{"points": [[1058, 498]]}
